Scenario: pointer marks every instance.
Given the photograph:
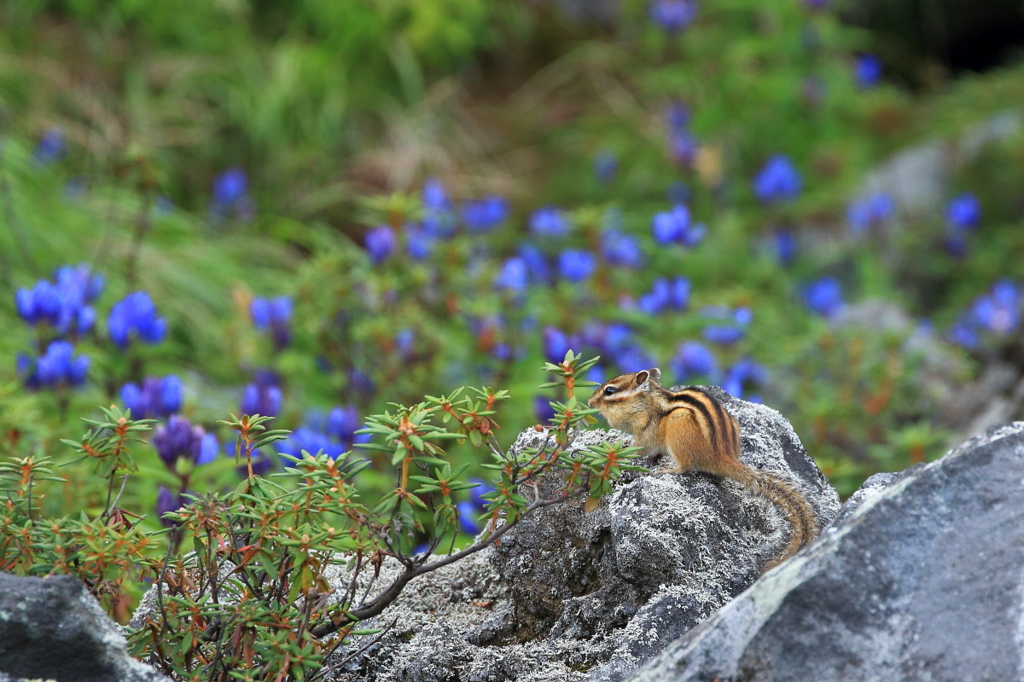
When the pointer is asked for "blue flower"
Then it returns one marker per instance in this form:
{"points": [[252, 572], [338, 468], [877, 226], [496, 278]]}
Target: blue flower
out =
{"points": [[622, 249], [542, 409], [596, 374], [674, 227], [343, 422], [166, 502], [313, 442], [536, 263], [634, 358], [692, 360], [64, 303], [380, 243], [57, 367], [606, 166], [673, 15], [274, 315], [549, 222], [157, 397], [575, 265], [778, 180], [677, 116], [467, 518], [483, 214], [743, 376], [556, 344], [51, 147], [360, 383], [964, 333], [863, 214], [438, 219], [867, 70], [135, 317], [405, 339], [514, 275], [734, 327], [665, 294], [963, 212], [784, 243], [683, 147], [231, 194], [419, 242], [997, 313], [824, 296], [181, 439], [261, 398]]}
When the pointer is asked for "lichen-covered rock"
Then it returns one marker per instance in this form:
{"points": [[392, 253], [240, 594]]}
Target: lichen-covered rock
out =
{"points": [[53, 628], [922, 581], [570, 595]]}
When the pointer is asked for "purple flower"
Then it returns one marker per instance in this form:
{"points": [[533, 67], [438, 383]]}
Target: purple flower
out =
{"points": [[674, 227], [863, 214], [405, 339], [135, 317], [157, 397], [261, 398], [231, 194], [343, 422], [673, 15], [683, 148], [622, 249], [484, 214], [733, 327], [166, 501], [542, 409], [692, 360], [778, 180], [549, 222], [606, 166], [311, 441], [514, 275], [784, 243], [64, 303], [665, 294], [380, 243], [824, 296], [51, 147], [867, 70], [596, 374], [360, 383], [634, 358], [556, 344], [743, 376], [575, 265], [963, 212], [179, 438], [275, 315], [997, 313], [419, 242], [57, 367], [536, 263], [438, 218]]}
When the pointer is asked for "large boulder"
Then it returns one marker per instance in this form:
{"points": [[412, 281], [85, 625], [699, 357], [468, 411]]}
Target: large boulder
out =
{"points": [[53, 629], [920, 579], [571, 595]]}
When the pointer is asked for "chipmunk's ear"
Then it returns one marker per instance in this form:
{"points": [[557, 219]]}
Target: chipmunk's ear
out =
{"points": [[655, 374], [641, 378]]}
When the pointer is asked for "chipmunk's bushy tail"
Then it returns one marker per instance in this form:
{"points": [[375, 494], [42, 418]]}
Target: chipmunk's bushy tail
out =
{"points": [[793, 504]]}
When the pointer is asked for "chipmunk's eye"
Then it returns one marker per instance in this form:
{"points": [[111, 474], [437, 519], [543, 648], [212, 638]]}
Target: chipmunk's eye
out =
{"points": [[610, 390]]}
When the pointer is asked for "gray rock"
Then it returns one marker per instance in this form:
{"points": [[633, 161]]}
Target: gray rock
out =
{"points": [[54, 629], [570, 595], [922, 581]]}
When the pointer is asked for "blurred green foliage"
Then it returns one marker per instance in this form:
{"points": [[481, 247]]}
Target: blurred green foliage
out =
{"points": [[338, 111]]}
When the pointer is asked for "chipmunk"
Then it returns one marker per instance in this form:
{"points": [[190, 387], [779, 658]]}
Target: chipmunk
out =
{"points": [[695, 430]]}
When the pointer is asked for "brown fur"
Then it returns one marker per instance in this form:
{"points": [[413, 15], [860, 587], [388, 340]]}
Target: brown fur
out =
{"points": [[693, 428]]}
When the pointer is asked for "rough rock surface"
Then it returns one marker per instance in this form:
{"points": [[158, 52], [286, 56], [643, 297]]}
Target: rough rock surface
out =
{"points": [[53, 629], [922, 581], [571, 595]]}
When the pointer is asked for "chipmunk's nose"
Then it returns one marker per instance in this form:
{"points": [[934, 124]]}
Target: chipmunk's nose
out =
{"points": [[592, 399]]}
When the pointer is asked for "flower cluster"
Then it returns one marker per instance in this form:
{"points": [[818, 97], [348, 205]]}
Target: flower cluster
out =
{"points": [[157, 397], [273, 315], [996, 314], [864, 215], [777, 181], [180, 439], [332, 434], [57, 367], [694, 360], [673, 15], [675, 227], [550, 222], [135, 317], [682, 144], [963, 215], [262, 396], [666, 295], [65, 303], [726, 326], [472, 509], [231, 197], [824, 296]]}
